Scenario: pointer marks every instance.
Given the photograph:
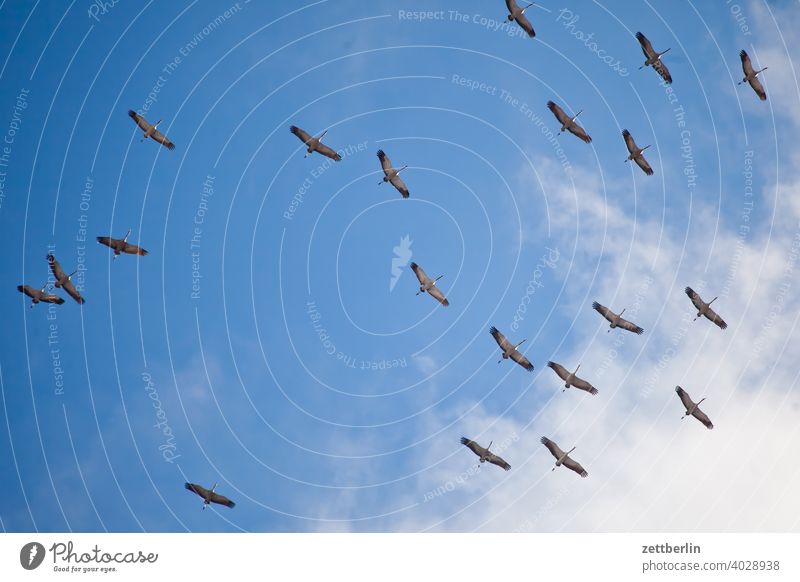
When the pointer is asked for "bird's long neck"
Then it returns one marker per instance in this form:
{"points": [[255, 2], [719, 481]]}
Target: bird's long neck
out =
{"points": [[437, 278], [576, 370], [712, 301], [127, 235], [524, 9], [157, 124], [214, 487], [519, 344], [401, 169], [621, 312], [764, 69], [577, 114], [489, 446], [664, 52], [322, 135]]}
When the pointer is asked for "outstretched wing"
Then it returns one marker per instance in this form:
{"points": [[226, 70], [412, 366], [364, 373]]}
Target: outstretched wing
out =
{"points": [[662, 70], [630, 326], [582, 384], [577, 130], [500, 339], [303, 135], [572, 464], [647, 48], [73, 292], [685, 398], [398, 183], [386, 163], [27, 290], [473, 446], [222, 500], [552, 447], [758, 88], [55, 267], [521, 19], [140, 121], [162, 139], [559, 369], [437, 294], [629, 142], [517, 356], [499, 461], [134, 250], [50, 298], [701, 416], [713, 316], [642, 163], [747, 66], [420, 273], [107, 240], [562, 117], [697, 301], [603, 310], [198, 489], [329, 152]]}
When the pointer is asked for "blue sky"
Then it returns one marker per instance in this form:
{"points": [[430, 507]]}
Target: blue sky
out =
{"points": [[300, 372]]}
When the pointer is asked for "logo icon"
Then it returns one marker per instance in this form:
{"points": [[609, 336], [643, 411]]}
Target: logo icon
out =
{"points": [[31, 555], [402, 255]]}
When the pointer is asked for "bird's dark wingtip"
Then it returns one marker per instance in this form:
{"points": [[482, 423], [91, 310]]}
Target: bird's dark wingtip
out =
{"points": [[464, 440], [593, 391], [689, 291], [188, 486], [529, 367], [231, 504], [445, 302], [132, 113], [293, 128], [381, 155], [493, 330], [595, 305], [550, 104], [584, 474], [543, 440], [413, 265], [625, 133], [20, 288], [551, 364]]}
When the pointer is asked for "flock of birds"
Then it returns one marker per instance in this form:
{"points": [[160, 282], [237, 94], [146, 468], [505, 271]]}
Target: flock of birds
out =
{"points": [[426, 283]]}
